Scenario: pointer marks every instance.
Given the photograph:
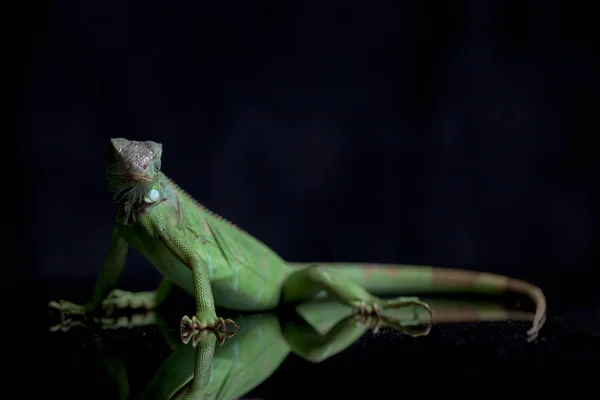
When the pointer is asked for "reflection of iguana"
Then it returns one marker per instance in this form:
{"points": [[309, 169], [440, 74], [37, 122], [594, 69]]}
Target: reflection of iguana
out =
{"points": [[220, 264], [201, 369]]}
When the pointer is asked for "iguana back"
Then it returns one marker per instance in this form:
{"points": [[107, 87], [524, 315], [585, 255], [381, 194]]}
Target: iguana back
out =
{"points": [[244, 272]]}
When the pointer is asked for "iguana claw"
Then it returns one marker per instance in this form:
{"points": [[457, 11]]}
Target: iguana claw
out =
{"points": [[224, 323], [371, 322], [368, 309], [189, 325], [196, 336]]}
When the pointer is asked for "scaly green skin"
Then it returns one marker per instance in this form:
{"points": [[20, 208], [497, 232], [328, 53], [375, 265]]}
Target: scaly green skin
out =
{"points": [[220, 264], [201, 369]]}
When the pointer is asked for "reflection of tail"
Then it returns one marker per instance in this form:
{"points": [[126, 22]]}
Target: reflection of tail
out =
{"points": [[414, 280], [445, 311]]}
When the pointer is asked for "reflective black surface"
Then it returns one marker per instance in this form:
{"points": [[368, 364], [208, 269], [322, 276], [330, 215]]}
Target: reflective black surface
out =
{"points": [[97, 360], [451, 134]]}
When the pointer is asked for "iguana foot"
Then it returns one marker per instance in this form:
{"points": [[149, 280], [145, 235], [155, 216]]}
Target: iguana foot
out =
{"points": [[370, 313], [198, 336], [67, 308], [371, 316], [116, 299], [376, 323], [375, 306], [367, 309], [119, 299], [195, 324]]}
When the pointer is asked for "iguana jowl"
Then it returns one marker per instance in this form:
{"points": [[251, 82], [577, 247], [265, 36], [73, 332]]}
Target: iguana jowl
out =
{"points": [[220, 264]]}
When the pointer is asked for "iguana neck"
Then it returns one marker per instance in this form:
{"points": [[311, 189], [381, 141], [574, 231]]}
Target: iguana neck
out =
{"points": [[135, 200]]}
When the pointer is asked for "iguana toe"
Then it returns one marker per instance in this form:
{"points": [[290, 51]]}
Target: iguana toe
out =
{"points": [[368, 308], [405, 301], [67, 308], [374, 323], [223, 323], [120, 299], [189, 325]]}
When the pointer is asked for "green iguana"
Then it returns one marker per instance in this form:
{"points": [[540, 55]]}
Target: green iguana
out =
{"points": [[221, 265]]}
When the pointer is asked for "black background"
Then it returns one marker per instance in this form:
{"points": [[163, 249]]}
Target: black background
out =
{"points": [[448, 133]]}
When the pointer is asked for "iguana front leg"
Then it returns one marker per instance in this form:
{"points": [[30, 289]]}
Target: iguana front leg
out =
{"points": [[107, 279], [105, 295], [205, 316]]}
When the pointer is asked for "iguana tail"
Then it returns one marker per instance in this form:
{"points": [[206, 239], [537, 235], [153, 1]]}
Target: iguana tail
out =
{"points": [[397, 279]]}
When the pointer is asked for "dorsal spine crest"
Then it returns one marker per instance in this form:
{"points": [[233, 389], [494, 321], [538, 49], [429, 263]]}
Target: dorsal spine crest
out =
{"points": [[198, 204]]}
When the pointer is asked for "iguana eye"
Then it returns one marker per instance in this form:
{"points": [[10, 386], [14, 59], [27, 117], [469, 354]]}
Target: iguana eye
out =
{"points": [[152, 196]]}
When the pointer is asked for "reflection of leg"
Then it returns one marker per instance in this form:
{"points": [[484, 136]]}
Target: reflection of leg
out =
{"points": [[313, 346]]}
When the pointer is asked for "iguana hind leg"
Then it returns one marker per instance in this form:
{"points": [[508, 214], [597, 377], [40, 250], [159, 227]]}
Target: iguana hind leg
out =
{"points": [[307, 283]]}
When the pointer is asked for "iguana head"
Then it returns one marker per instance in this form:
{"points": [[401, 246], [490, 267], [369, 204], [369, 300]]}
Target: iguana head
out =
{"points": [[132, 169]]}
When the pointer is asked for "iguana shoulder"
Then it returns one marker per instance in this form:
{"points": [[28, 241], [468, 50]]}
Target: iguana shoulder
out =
{"points": [[236, 246]]}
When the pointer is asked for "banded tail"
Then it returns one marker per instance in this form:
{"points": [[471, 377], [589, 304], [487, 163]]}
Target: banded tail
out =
{"points": [[401, 279]]}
